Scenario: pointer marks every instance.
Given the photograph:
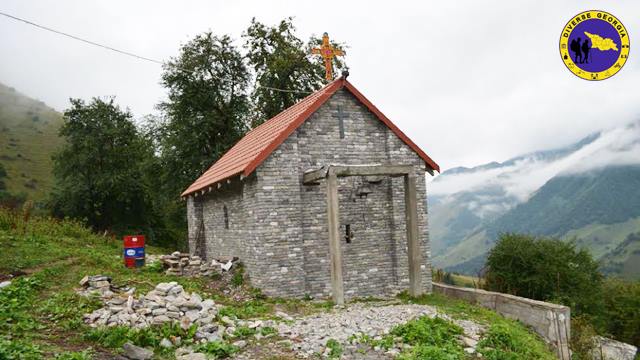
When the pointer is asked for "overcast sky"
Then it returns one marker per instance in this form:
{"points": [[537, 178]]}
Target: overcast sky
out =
{"points": [[469, 81]]}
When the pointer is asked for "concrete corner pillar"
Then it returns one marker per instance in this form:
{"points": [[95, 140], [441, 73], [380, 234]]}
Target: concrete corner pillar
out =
{"points": [[413, 238], [335, 250]]}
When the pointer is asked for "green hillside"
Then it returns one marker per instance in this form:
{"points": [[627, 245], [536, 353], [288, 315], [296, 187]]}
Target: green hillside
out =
{"points": [[570, 202], [28, 138]]}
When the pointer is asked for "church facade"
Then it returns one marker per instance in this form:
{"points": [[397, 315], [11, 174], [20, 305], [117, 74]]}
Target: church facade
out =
{"points": [[328, 198]]}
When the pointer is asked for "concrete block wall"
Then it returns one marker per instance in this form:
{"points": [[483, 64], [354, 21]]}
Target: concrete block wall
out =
{"points": [[551, 321]]}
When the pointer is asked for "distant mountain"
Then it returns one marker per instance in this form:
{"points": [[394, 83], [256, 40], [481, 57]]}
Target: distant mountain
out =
{"points": [[589, 191], [28, 139]]}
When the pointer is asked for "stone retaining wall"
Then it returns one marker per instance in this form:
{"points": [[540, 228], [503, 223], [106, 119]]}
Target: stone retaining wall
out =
{"points": [[551, 321]]}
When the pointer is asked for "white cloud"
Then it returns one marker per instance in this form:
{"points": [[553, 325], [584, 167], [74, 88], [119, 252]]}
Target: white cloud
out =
{"points": [[616, 146], [469, 81]]}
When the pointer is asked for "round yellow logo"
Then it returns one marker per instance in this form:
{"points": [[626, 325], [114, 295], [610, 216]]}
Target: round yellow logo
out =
{"points": [[594, 45]]}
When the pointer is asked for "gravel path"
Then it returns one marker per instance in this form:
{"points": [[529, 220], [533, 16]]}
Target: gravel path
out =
{"points": [[310, 334]]}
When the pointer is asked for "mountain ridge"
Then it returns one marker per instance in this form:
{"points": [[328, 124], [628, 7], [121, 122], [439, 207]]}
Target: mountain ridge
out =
{"points": [[569, 192]]}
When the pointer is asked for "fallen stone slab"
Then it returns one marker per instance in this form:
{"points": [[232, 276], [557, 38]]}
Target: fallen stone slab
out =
{"points": [[609, 349], [136, 352]]}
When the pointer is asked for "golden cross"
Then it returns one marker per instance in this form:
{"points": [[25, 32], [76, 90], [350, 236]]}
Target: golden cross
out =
{"points": [[327, 52]]}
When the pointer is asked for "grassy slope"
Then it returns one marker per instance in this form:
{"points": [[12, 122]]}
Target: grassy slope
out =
{"points": [[42, 308], [28, 138], [601, 239]]}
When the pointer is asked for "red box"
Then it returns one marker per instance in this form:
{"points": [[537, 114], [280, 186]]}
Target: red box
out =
{"points": [[133, 241]]}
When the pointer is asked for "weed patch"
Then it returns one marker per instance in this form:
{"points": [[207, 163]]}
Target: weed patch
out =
{"points": [[217, 349], [115, 337], [507, 342], [246, 310], [335, 349], [17, 350], [435, 338]]}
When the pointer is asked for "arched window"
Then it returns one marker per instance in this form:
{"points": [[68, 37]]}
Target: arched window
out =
{"points": [[226, 216]]}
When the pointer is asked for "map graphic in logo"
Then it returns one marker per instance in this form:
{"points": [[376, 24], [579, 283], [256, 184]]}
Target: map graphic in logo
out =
{"points": [[594, 45]]}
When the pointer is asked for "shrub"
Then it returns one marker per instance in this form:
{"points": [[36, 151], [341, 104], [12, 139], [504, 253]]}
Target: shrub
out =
{"points": [[238, 276], [545, 269], [582, 342], [621, 315]]}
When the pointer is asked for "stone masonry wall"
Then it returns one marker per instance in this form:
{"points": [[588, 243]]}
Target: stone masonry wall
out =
{"points": [[376, 261], [221, 241]]}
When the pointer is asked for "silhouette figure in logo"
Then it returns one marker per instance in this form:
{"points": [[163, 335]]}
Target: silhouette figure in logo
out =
{"points": [[585, 50], [575, 47]]}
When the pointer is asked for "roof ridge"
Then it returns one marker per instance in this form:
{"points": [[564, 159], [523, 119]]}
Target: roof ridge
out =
{"points": [[257, 144]]}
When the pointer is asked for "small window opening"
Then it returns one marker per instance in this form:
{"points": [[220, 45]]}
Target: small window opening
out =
{"points": [[226, 216], [348, 234]]}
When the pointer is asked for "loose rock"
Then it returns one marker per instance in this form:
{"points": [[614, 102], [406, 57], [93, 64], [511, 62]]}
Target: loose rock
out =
{"points": [[136, 353]]}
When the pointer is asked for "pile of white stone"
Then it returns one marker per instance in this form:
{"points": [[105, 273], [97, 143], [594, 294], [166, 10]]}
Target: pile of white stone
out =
{"points": [[183, 264], [310, 334], [101, 285], [168, 302]]}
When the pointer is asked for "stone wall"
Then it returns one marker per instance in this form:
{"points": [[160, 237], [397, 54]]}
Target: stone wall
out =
{"points": [[551, 321], [220, 240], [375, 263]]}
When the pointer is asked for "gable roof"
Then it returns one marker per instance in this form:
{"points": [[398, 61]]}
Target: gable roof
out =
{"points": [[248, 153]]}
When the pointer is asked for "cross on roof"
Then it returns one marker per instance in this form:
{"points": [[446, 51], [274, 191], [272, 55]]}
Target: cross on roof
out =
{"points": [[327, 52]]}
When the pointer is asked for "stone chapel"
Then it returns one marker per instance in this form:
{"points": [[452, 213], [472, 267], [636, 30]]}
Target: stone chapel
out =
{"points": [[327, 198]]}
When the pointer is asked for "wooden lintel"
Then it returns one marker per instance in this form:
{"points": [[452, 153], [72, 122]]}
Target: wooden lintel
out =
{"points": [[312, 177], [368, 170]]}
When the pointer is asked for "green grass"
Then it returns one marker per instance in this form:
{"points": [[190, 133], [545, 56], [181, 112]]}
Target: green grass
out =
{"points": [[217, 349], [335, 349], [508, 338], [29, 137], [41, 313]]}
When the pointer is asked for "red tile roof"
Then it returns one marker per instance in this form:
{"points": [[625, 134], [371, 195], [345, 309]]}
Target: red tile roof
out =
{"points": [[248, 153]]}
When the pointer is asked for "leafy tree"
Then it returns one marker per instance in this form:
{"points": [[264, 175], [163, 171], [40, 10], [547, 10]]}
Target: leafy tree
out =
{"points": [[207, 108], [545, 269], [3, 175], [281, 60], [98, 171], [621, 315]]}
